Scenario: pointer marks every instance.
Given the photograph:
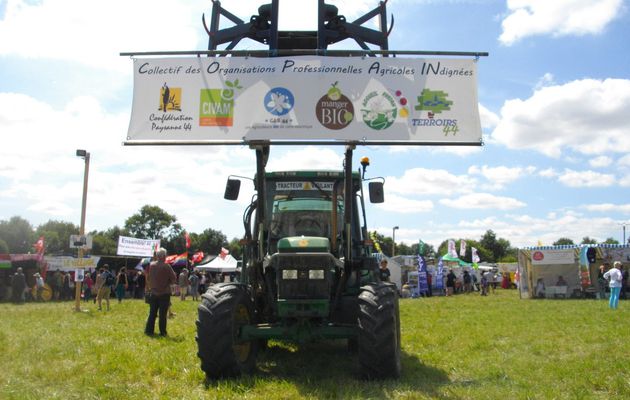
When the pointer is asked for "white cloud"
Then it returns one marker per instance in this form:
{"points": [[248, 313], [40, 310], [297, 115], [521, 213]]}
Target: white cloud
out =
{"points": [[94, 33], [310, 157], [588, 116], [488, 118], [548, 173], [500, 176], [588, 179], [483, 201], [557, 18], [600, 162], [403, 205], [608, 208], [422, 181]]}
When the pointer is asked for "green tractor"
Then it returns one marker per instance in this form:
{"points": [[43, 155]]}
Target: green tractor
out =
{"points": [[307, 275]]}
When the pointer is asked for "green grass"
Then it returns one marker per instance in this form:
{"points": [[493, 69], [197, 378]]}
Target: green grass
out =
{"points": [[464, 347]]}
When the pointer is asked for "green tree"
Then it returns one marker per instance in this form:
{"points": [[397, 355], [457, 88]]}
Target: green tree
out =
{"points": [[106, 242], [57, 236], [588, 240], [428, 251], [4, 247], [236, 249], [563, 241], [151, 222], [610, 241], [500, 248], [210, 241], [18, 234]]}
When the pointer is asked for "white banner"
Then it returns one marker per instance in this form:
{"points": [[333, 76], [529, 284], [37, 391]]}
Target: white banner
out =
{"points": [[547, 257], [71, 263], [128, 246], [236, 99]]}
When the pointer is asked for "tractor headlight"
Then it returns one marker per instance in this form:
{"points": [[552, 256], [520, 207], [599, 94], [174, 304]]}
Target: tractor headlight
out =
{"points": [[316, 274], [289, 274]]}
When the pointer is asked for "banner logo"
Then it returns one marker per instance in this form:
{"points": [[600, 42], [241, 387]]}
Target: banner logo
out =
{"points": [[379, 110], [216, 106], [334, 110], [170, 98], [279, 101], [434, 101]]}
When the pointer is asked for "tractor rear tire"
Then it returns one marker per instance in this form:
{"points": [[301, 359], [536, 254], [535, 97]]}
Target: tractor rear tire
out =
{"points": [[223, 310], [379, 332]]}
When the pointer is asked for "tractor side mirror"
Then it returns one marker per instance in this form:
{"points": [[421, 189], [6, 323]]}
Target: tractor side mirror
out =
{"points": [[376, 192], [232, 188]]}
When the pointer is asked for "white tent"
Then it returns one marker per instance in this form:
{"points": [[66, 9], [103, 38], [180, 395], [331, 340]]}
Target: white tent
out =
{"points": [[227, 264]]}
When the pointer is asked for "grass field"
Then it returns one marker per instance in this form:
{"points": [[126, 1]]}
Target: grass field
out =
{"points": [[464, 347]]}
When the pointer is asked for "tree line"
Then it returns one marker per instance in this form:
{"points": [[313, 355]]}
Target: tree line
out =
{"points": [[17, 235], [490, 248]]}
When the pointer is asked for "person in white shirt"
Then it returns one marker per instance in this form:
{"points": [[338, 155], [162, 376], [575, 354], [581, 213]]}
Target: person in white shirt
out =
{"points": [[614, 282]]}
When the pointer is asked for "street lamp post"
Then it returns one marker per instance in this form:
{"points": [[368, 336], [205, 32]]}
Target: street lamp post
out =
{"points": [[86, 156], [394, 240], [623, 225]]}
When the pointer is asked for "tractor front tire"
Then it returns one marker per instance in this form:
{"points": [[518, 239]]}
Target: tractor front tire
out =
{"points": [[223, 310], [379, 332]]}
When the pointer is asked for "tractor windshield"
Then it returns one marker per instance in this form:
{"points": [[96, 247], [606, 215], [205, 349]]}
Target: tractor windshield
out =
{"points": [[303, 216]]}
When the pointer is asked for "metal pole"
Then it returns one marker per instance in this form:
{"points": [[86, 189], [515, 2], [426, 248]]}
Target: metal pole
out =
{"points": [[77, 285], [394, 241]]}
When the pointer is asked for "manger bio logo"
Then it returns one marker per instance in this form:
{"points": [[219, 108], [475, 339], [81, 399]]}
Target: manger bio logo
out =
{"points": [[334, 110]]}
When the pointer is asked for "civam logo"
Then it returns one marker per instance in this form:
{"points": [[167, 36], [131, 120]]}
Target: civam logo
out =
{"points": [[170, 98], [435, 102], [334, 110], [216, 106]]}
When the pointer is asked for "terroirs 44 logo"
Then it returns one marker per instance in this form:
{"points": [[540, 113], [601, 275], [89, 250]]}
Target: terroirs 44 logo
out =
{"points": [[435, 102]]}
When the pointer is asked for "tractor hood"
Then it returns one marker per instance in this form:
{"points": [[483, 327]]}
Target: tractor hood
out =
{"points": [[304, 244]]}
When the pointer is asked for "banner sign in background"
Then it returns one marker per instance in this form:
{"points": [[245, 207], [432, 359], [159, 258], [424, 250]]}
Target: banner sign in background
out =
{"points": [[552, 256], [239, 99], [64, 263], [128, 246], [439, 278]]}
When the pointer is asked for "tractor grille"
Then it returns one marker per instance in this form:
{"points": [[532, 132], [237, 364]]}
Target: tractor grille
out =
{"points": [[304, 276]]}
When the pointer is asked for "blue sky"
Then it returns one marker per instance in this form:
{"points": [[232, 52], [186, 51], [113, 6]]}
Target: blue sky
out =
{"points": [[554, 99]]}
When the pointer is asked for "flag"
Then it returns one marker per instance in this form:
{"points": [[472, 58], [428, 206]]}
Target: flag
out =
{"points": [[475, 256], [39, 245], [423, 283], [197, 257], [187, 237], [462, 247], [439, 278], [177, 260], [451, 248], [224, 253]]}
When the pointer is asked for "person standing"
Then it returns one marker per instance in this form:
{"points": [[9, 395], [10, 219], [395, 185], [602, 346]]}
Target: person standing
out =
{"points": [[121, 284], [601, 282], [87, 287], [39, 285], [467, 282], [140, 284], [194, 285], [18, 284], [384, 271], [614, 282], [103, 286], [183, 284], [450, 283], [159, 279]]}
